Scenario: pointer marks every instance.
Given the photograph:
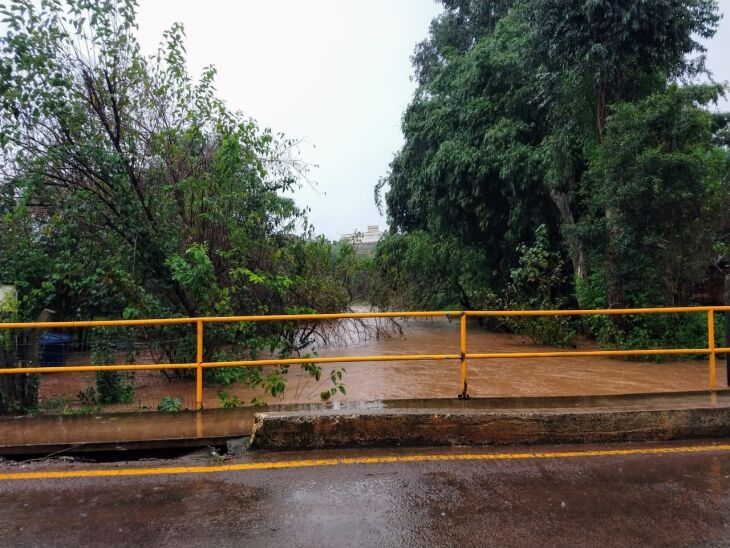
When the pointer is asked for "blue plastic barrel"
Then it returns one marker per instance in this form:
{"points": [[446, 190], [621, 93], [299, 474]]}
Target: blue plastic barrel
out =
{"points": [[54, 348]]}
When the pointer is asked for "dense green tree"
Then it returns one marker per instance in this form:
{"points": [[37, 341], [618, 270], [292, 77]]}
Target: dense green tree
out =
{"points": [[462, 24], [547, 113], [666, 181], [603, 52], [128, 189], [472, 168], [617, 44], [421, 271]]}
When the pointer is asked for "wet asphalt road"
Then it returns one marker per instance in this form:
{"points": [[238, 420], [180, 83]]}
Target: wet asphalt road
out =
{"points": [[679, 499]]}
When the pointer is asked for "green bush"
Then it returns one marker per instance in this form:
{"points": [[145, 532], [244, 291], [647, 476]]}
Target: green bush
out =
{"points": [[114, 387], [228, 401], [645, 331], [688, 330], [536, 283], [111, 386], [169, 404], [18, 393]]}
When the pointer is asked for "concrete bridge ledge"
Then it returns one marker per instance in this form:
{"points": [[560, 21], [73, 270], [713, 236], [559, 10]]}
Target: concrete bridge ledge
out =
{"points": [[291, 430]]}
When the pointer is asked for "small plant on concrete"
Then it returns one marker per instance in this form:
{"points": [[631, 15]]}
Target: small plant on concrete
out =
{"points": [[168, 404], [216, 458], [84, 410], [228, 401], [55, 404], [89, 396]]}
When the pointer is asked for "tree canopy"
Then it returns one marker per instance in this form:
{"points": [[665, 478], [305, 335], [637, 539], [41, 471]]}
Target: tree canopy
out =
{"points": [[580, 117], [129, 189]]}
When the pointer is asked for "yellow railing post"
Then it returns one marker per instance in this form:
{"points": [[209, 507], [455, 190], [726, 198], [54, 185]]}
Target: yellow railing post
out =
{"points": [[711, 347], [199, 370], [463, 394]]}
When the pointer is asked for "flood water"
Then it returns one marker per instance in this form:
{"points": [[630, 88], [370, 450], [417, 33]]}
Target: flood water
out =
{"points": [[509, 377]]}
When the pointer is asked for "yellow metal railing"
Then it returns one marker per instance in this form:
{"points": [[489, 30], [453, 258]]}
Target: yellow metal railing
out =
{"points": [[462, 356]]}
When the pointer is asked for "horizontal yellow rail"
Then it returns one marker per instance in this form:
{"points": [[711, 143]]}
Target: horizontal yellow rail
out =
{"points": [[462, 356], [600, 311], [579, 353], [230, 319], [353, 315], [242, 363], [83, 368]]}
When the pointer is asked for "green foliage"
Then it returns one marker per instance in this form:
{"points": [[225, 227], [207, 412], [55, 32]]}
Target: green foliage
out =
{"points": [[471, 171], [170, 404], [111, 386], [83, 410], [337, 386], [229, 401], [561, 121], [18, 393], [539, 283], [645, 331], [89, 400], [615, 45], [661, 331], [663, 179], [421, 271], [127, 185], [454, 32]]}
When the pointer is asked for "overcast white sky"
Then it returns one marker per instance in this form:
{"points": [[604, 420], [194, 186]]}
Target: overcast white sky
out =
{"points": [[335, 73]]}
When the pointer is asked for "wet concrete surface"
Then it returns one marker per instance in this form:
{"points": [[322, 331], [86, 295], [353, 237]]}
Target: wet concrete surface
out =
{"points": [[473, 427], [124, 430], [678, 499], [46, 434]]}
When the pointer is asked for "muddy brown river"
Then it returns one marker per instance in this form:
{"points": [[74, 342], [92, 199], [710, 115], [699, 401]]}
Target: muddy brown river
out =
{"points": [[502, 377], [508, 377]]}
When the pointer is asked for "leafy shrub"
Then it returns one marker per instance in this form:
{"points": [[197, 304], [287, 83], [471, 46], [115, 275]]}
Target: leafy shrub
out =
{"points": [[114, 387], [169, 404], [228, 401], [687, 330], [111, 386], [538, 283], [644, 331]]}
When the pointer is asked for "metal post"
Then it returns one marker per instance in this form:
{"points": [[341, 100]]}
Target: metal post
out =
{"points": [[727, 322], [463, 394], [711, 348], [199, 370]]}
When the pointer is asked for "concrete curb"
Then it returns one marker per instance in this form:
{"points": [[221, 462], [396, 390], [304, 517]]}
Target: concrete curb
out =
{"points": [[413, 427]]}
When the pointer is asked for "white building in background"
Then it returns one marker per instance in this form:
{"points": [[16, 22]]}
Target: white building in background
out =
{"points": [[371, 236], [8, 295]]}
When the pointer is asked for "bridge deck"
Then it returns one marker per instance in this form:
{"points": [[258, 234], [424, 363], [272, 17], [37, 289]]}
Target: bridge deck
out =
{"points": [[147, 430]]}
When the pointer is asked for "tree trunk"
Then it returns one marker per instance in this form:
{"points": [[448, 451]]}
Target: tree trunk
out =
{"points": [[577, 253], [19, 393], [601, 113], [727, 322], [614, 288]]}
